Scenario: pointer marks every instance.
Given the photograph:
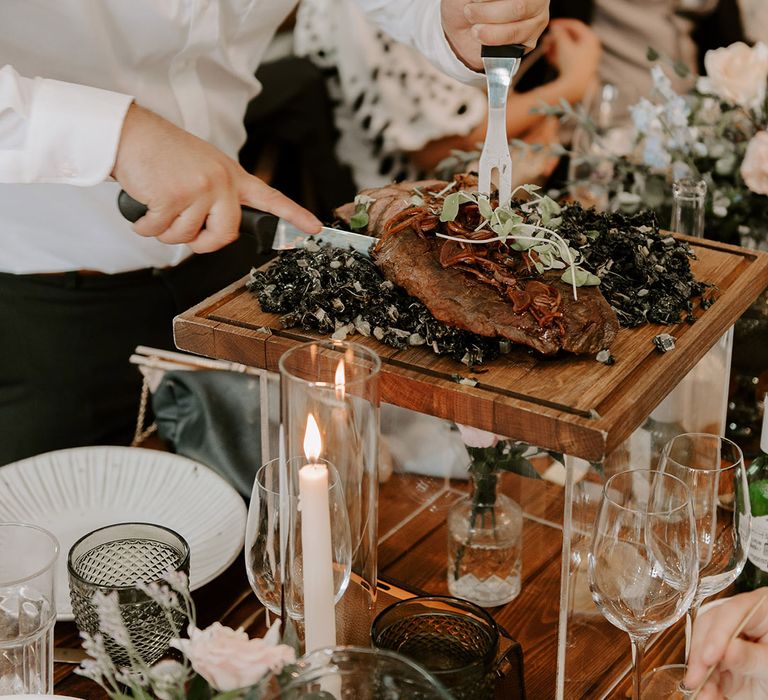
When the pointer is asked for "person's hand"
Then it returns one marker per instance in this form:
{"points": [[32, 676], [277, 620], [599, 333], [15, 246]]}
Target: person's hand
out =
{"points": [[468, 25], [193, 191], [741, 671], [574, 49]]}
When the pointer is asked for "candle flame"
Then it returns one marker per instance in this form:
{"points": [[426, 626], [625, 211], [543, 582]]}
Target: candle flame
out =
{"points": [[339, 380], [313, 445]]}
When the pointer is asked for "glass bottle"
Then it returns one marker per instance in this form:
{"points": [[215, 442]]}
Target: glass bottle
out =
{"points": [[689, 196], [485, 545], [755, 573]]}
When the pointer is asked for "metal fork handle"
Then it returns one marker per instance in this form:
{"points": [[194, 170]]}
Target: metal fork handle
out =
{"points": [[501, 64]]}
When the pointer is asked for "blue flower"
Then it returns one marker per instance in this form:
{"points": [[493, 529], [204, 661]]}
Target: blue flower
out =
{"points": [[654, 153]]}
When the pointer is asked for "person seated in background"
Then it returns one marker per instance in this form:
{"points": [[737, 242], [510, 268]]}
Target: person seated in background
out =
{"points": [[398, 116], [741, 664]]}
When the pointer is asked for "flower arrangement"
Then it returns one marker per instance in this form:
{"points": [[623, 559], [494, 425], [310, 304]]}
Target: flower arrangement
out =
{"points": [[485, 528], [218, 663], [718, 132]]}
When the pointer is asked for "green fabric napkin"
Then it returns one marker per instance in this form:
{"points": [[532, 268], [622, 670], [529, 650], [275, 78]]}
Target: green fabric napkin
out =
{"points": [[213, 417]]}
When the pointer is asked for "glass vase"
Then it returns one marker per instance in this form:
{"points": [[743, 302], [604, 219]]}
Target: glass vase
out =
{"points": [[485, 545]]}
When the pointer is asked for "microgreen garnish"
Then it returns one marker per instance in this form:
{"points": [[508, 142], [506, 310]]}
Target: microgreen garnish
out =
{"points": [[529, 230], [359, 219]]}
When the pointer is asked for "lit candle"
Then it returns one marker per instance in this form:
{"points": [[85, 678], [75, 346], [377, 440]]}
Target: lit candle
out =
{"points": [[317, 553], [339, 381]]}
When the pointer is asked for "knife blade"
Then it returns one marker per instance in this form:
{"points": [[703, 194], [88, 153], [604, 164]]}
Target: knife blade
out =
{"points": [[271, 232], [287, 236]]}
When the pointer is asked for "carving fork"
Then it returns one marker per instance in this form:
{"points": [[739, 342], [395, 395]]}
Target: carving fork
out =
{"points": [[501, 64]]}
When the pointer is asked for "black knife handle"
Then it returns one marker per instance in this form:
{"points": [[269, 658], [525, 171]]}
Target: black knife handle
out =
{"points": [[253, 223], [503, 51]]}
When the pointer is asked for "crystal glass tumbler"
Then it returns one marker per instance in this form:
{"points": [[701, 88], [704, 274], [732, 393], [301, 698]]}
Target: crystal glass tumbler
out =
{"points": [[27, 608], [115, 559]]}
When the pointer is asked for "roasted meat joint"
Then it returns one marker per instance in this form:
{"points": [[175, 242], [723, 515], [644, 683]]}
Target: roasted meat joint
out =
{"points": [[452, 270]]}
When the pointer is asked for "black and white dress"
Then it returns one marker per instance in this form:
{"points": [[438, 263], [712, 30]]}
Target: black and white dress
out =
{"points": [[389, 99]]}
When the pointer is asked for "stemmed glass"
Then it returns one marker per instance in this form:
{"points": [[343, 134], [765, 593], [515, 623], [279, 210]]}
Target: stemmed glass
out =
{"points": [[262, 540], [713, 469], [643, 566]]}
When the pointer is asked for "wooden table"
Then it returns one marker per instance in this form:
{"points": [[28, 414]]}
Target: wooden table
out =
{"points": [[412, 550], [574, 405]]}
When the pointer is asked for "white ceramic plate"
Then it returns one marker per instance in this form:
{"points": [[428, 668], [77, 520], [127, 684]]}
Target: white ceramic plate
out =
{"points": [[71, 492], [38, 697]]}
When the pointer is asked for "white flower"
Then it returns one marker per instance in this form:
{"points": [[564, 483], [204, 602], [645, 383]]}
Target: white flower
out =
{"points": [[754, 167], [110, 620], [166, 678], [738, 73], [178, 581], [645, 115], [680, 170], [654, 153], [700, 149], [662, 83], [228, 660], [160, 593], [676, 112], [474, 437], [709, 111]]}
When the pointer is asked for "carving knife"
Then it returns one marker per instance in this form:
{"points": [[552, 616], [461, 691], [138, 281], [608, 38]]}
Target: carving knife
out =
{"points": [[271, 232]]}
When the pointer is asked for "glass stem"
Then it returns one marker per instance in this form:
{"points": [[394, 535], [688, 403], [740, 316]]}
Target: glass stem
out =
{"points": [[690, 618], [638, 650]]}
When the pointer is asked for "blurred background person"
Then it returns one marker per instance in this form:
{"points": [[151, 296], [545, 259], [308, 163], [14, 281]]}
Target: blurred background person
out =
{"points": [[398, 117]]}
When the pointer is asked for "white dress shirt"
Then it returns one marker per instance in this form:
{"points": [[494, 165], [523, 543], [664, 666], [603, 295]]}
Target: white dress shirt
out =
{"points": [[69, 70]]}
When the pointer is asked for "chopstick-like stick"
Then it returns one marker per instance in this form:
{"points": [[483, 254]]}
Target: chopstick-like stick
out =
{"points": [[738, 631]]}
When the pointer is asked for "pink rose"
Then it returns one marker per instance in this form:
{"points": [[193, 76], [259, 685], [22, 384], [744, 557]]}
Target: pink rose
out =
{"points": [[228, 660], [474, 437], [738, 74], [754, 167]]}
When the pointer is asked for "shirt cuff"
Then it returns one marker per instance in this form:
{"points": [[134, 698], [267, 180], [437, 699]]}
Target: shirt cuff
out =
{"points": [[431, 40], [73, 133]]}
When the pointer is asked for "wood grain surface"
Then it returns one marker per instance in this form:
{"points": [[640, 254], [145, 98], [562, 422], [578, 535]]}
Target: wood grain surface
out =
{"points": [[572, 404], [413, 552]]}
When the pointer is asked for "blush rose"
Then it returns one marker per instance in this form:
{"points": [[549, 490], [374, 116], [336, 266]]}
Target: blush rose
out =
{"points": [[738, 74], [229, 660], [754, 167]]}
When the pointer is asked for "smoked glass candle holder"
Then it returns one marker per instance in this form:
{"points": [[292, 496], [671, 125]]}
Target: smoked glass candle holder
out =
{"points": [[337, 383], [458, 642]]}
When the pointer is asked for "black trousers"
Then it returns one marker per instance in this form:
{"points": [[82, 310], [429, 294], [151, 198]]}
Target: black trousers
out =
{"points": [[65, 340]]}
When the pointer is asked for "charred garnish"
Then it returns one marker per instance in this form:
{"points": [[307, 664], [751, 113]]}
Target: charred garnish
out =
{"points": [[342, 292], [644, 275]]}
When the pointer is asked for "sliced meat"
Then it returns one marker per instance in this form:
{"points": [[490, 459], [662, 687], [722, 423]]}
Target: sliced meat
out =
{"points": [[458, 299], [392, 199]]}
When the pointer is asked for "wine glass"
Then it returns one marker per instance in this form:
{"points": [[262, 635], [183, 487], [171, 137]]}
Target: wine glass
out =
{"points": [[713, 469], [643, 565], [262, 539], [663, 683]]}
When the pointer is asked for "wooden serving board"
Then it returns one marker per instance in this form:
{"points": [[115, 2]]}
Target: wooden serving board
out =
{"points": [[572, 404]]}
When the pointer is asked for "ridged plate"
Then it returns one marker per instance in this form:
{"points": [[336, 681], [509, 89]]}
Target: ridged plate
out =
{"points": [[71, 492]]}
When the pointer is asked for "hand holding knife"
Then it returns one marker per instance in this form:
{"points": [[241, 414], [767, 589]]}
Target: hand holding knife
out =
{"points": [[271, 232]]}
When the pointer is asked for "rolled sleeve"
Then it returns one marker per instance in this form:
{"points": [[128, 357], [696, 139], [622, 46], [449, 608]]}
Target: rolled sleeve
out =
{"points": [[57, 132], [418, 23]]}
